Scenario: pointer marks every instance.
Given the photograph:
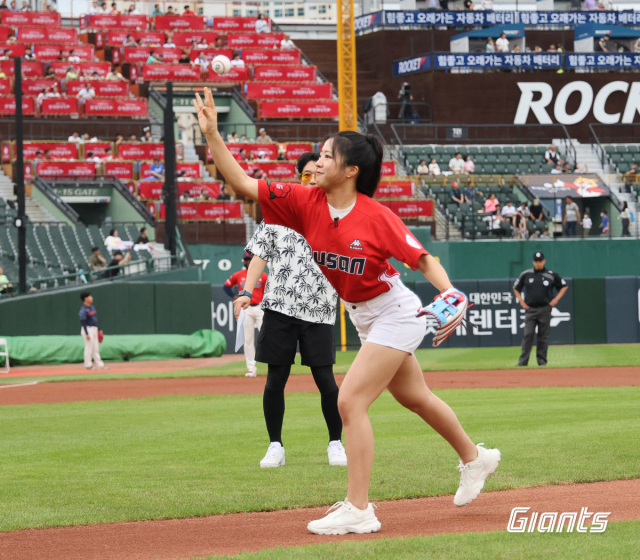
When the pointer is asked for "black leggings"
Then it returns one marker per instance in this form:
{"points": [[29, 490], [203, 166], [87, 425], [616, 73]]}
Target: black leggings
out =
{"points": [[273, 400]]}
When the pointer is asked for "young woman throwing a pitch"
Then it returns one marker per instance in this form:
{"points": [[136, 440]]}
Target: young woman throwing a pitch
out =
{"points": [[299, 307], [352, 237]]}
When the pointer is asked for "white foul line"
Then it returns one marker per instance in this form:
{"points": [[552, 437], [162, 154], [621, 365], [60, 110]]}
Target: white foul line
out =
{"points": [[17, 385]]}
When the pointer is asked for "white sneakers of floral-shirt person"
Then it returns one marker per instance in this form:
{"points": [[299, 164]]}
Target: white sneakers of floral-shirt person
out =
{"points": [[252, 320], [275, 455]]}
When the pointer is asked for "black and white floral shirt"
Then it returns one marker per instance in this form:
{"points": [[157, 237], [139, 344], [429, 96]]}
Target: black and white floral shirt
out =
{"points": [[295, 285]]}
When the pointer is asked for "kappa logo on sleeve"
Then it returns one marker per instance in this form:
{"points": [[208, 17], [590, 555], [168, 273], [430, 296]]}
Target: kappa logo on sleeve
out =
{"points": [[278, 190]]}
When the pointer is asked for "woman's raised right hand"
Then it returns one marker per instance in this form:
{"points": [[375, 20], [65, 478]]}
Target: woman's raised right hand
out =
{"points": [[207, 115]]}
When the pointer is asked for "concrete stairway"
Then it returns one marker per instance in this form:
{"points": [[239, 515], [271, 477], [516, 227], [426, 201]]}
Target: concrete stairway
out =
{"points": [[35, 211]]}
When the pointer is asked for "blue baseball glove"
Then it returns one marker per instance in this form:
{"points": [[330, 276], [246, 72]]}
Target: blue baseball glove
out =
{"points": [[449, 309]]}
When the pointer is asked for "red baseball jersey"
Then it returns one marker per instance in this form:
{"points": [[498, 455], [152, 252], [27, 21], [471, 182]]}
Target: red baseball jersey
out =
{"points": [[239, 279], [352, 252]]}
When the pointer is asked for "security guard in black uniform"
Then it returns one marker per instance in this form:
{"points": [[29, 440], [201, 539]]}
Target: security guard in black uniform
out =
{"points": [[538, 285]]}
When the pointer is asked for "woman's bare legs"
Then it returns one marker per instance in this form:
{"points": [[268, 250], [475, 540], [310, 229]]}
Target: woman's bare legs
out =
{"points": [[410, 390], [375, 369]]}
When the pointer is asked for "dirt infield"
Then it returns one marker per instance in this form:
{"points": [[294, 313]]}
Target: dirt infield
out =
{"points": [[229, 534], [73, 391]]}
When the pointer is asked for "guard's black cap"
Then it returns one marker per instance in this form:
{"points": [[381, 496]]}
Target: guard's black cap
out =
{"points": [[538, 256], [247, 255]]}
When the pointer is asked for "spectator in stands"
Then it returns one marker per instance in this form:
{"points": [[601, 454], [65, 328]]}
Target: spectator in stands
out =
{"points": [[71, 75], [557, 170], [51, 9], [434, 168], [469, 166], [133, 138], [495, 222], [241, 155], [108, 154], [25, 6], [75, 137], [456, 196], [202, 44], [119, 139], [4, 6], [114, 9], [146, 137], [262, 25], [423, 168], [86, 92], [537, 49], [153, 59], [502, 43], [73, 57], [604, 223], [94, 9], [188, 11], [47, 156], [571, 217], [103, 8], [6, 287], [224, 194], [587, 224], [607, 45], [259, 175], [552, 157], [243, 139], [552, 49], [156, 171], [6, 54], [40, 97], [625, 216], [114, 75], [201, 61], [456, 164], [491, 46], [405, 97], [219, 43], [263, 137], [468, 5], [156, 11], [169, 44], [486, 5], [282, 154], [508, 212], [133, 11], [630, 177], [590, 5], [535, 211], [116, 264], [92, 157], [170, 11], [86, 138], [287, 44], [184, 58], [142, 238], [471, 193], [491, 204], [516, 49], [237, 62], [544, 234], [129, 42], [96, 260]]}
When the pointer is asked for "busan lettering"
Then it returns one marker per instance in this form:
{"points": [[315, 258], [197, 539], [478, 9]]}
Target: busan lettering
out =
{"points": [[332, 261]]}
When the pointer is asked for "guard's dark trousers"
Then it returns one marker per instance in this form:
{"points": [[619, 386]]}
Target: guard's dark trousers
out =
{"points": [[536, 317]]}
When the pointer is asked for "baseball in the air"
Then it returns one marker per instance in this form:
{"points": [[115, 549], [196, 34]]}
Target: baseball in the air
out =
{"points": [[221, 64]]}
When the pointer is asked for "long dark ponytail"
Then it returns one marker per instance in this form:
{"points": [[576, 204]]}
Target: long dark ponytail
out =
{"points": [[364, 152]]}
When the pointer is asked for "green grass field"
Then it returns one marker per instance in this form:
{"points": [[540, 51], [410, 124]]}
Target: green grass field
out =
{"points": [[620, 541], [174, 457], [443, 359]]}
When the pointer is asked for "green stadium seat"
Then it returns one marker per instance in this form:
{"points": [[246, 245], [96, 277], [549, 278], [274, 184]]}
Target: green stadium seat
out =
{"points": [[518, 150]]}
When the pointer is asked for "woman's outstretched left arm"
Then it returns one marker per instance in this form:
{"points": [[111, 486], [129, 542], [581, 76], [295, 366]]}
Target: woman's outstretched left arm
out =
{"points": [[434, 272]]}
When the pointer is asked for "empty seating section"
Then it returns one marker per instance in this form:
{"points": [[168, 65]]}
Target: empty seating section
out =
{"points": [[488, 160], [59, 250], [621, 156]]}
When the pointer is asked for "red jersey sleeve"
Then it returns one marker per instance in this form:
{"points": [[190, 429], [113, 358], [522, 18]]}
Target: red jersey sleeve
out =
{"points": [[232, 280], [401, 243], [280, 203]]}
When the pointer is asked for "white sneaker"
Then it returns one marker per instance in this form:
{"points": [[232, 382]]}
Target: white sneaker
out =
{"points": [[346, 518], [474, 473], [250, 374], [274, 457], [337, 454]]}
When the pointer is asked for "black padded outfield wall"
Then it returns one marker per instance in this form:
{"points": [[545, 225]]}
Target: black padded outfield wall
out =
{"points": [[622, 309]]}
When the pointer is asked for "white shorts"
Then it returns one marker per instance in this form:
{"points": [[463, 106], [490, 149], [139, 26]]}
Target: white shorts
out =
{"points": [[390, 319]]}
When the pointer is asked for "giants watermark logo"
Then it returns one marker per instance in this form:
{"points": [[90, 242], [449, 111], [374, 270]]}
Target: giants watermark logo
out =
{"points": [[548, 522]]}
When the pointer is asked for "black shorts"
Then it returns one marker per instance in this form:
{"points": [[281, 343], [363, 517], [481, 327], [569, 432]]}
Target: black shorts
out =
{"points": [[279, 337]]}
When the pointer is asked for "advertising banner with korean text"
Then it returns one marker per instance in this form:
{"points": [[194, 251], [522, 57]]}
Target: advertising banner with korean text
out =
{"points": [[166, 72], [270, 56], [179, 22], [273, 170], [137, 55], [150, 190], [140, 150], [196, 190], [410, 208], [395, 189], [46, 35], [30, 19], [210, 53], [234, 75], [60, 106], [184, 38], [389, 168], [117, 38], [34, 87], [52, 52], [15, 49], [496, 318], [257, 90], [285, 73], [5, 86], [191, 170], [8, 105], [59, 150], [297, 109], [497, 60], [102, 68], [244, 40], [30, 68], [103, 88], [123, 170], [57, 168], [295, 150], [565, 184], [117, 107], [617, 60], [261, 151], [96, 149], [106, 21], [236, 23], [219, 210]]}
